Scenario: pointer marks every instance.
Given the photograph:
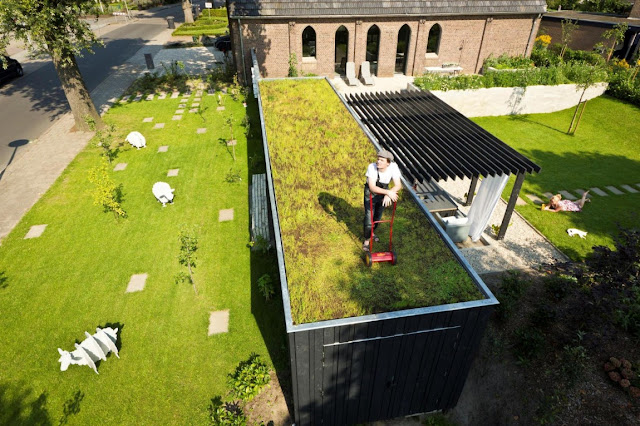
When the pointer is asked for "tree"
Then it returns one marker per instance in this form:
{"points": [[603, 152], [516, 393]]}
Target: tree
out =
{"points": [[585, 77], [188, 14], [55, 27], [614, 36], [187, 257], [568, 28]]}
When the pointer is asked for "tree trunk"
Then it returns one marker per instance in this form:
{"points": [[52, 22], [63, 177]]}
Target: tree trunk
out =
{"points": [[76, 91], [193, 283], [575, 113], [188, 14]]}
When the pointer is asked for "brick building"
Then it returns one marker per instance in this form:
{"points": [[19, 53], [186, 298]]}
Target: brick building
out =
{"points": [[400, 36]]}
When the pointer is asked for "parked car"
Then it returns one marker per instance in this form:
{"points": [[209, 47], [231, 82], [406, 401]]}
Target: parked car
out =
{"points": [[223, 41], [13, 69]]}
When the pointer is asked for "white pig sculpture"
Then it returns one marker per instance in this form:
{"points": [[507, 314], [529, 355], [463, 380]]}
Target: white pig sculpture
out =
{"points": [[91, 349]]}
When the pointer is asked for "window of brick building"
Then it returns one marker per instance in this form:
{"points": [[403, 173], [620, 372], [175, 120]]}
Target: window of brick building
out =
{"points": [[433, 44], [402, 49], [373, 46], [342, 50], [309, 43]]}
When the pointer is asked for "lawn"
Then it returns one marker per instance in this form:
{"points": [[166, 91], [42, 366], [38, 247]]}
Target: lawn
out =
{"points": [[604, 151], [73, 279], [319, 156], [209, 23]]}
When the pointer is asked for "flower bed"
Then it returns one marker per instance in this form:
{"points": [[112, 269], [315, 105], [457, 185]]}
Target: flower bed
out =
{"points": [[318, 157]]}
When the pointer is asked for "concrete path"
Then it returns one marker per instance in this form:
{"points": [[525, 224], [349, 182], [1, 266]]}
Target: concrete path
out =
{"points": [[42, 161]]}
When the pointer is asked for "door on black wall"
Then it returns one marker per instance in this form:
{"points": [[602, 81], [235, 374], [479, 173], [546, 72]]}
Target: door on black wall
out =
{"points": [[342, 49], [402, 51]]}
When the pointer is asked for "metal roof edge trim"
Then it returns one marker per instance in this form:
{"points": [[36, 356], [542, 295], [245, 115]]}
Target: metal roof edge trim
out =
{"points": [[412, 15]]}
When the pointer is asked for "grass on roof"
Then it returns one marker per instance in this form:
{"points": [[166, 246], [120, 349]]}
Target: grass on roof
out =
{"points": [[319, 156]]}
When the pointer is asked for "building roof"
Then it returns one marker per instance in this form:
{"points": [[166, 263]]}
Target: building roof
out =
{"points": [[313, 8], [431, 140], [591, 17]]}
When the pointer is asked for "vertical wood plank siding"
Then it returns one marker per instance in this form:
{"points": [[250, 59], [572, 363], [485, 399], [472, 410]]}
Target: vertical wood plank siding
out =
{"points": [[364, 372]]}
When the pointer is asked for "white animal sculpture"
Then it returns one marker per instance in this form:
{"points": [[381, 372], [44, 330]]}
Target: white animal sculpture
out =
{"points": [[163, 192], [91, 349], [136, 139], [574, 231]]}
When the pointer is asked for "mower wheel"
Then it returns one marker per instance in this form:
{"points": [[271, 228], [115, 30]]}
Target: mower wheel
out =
{"points": [[394, 258], [367, 260]]}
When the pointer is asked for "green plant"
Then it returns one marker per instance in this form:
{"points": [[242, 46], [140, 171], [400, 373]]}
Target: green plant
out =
{"points": [[496, 228], [568, 28], [110, 150], [574, 363], [509, 293], [233, 176], [293, 65], [106, 193], [542, 317], [226, 413], [187, 256], [249, 378], [557, 286], [527, 344], [229, 121], [505, 61], [265, 286], [614, 36]]}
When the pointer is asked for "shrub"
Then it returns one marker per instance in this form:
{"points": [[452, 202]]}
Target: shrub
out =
{"points": [[226, 413], [249, 378], [509, 293], [265, 286], [505, 61], [293, 65], [558, 286], [106, 193], [528, 342]]}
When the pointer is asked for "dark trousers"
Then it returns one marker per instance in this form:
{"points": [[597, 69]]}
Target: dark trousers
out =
{"points": [[378, 208]]}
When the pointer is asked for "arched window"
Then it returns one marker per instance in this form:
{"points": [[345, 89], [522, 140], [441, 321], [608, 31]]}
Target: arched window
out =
{"points": [[433, 44], [342, 49], [373, 46], [309, 43], [402, 49]]}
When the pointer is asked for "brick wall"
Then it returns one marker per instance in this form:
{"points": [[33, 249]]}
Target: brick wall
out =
{"points": [[467, 41]]}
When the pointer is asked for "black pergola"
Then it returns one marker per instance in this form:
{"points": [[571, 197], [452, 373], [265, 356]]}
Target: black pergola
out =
{"points": [[432, 141]]}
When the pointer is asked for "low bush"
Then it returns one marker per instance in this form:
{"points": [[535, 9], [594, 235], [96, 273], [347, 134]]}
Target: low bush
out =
{"points": [[226, 413], [509, 293], [249, 378], [625, 84], [505, 61]]}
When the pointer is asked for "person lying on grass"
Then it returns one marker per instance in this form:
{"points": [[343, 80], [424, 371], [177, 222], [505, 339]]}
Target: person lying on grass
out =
{"points": [[557, 204], [379, 175]]}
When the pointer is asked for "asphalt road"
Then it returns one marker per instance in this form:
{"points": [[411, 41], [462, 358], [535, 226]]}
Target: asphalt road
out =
{"points": [[30, 104]]}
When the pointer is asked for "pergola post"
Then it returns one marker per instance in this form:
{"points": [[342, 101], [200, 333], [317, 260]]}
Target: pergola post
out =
{"points": [[511, 205], [472, 190]]}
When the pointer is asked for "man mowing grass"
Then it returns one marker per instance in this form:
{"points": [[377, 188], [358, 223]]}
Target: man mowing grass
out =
{"points": [[379, 175]]}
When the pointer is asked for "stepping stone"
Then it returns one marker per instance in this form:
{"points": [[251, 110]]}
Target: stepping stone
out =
{"points": [[180, 111], [220, 108], [162, 95], [192, 110], [197, 99], [201, 131], [159, 126], [176, 117], [548, 194], [534, 199], [225, 215], [119, 167], [182, 106], [567, 195], [163, 148], [218, 322], [150, 97], [199, 92], [638, 185], [112, 100], [211, 92], [232, 142], [520, 202], [147, 120], [35, 231], [173, 172], [598, 191], [138, 98], [629, 188], [136, 283], [125, 99], [195, 104], [184, 100], [579, 191], [224, 90], [175, 95], [615, 190]]}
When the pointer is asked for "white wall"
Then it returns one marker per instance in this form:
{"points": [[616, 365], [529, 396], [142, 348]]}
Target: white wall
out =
{"points": [[517, 100]]}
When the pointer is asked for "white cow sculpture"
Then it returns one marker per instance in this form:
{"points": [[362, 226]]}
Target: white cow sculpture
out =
{"points": [[91, 349], [136, 139], [163, 192]]}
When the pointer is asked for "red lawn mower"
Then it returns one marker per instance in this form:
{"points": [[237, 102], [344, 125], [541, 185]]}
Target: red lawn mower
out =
{"points": [[383, 256]]}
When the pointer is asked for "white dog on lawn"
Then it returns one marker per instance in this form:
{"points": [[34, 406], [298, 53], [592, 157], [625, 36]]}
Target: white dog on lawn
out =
{"points": [[574, 231]]}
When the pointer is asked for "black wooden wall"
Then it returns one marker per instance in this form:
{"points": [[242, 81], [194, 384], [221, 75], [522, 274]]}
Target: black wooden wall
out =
{"points": [[383, 369]]}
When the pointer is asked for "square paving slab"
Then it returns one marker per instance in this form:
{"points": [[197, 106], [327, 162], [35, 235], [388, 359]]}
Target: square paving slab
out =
{"points": [[225, 215], [548, 194], [159, 126], [218, 322], [629, 188], [176, 117], [182, 105], [137, 283], [579, 191], [173, 172], [220, 108], [175, 95], [35, 231], [124, 99], [520, 202], [201, 131], [197, 99], [138, 98], [179, 111], [195, 104], [567, 195], [147, 120], [150, 97], [199, 93], [534, 199], [192, 110], [598, 191], [162, 95], [163, 148], [614, 190], [119, 167]]}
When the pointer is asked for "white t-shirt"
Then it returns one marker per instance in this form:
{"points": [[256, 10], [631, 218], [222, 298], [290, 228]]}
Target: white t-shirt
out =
{"points": [[391, 172]]}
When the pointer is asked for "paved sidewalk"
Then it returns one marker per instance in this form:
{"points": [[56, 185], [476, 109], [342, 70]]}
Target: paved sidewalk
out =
{"points": [[42, 161]]}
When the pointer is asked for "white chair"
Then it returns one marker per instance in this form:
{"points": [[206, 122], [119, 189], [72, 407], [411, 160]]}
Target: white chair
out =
{"points": [[163, 192], [365, 73], [351, 74], [136, 139]]}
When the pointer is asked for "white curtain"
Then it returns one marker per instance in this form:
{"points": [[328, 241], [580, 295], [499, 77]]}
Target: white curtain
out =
{"points": [[484, 203]]}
